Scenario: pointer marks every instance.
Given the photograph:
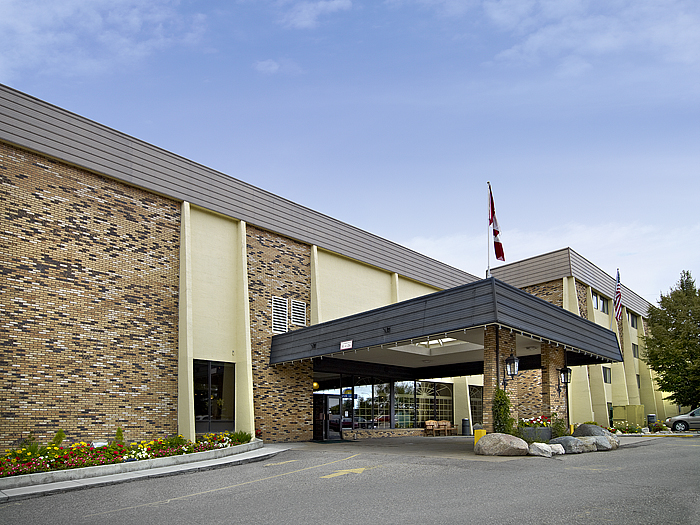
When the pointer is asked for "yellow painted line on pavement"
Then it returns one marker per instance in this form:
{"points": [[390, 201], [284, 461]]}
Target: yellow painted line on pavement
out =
{"points": [[280, 463], [170, 500]]}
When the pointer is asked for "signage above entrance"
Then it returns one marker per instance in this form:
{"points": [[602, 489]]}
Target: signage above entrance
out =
{"points": [[346, 345]]}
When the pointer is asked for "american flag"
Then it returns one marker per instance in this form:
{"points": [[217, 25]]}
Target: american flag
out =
{"points": [[618, 298]]}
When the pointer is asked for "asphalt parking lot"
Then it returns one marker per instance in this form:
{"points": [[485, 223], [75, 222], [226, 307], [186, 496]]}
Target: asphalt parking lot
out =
{"points": [[409, 480]]}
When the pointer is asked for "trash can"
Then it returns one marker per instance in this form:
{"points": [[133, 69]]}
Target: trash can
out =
{"points": [[651, 419], [466, 430]]}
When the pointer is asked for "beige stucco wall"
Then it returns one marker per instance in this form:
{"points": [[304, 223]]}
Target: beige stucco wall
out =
{"points": [[214, 315], [408, 289], [342, 287]]}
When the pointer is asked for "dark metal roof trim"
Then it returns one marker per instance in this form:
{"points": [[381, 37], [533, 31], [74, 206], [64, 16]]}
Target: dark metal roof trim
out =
{"points": [[33, 124], [482, 303]]}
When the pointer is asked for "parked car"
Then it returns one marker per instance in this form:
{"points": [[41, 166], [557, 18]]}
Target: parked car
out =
{"points": [[684, 422]]}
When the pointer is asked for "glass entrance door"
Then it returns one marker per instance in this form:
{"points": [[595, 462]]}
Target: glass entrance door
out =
{"points": [[327, 420]]}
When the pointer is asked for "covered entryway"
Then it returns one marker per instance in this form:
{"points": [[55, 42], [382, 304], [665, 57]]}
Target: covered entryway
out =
{"points": [[467, 330]]}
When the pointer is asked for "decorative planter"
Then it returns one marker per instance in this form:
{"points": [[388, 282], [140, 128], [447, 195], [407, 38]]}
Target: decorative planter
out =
{"points": [[543, 434]]}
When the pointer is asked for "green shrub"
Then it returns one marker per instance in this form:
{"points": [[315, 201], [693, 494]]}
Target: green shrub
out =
{"points": [[119, 437], [559, 426], [502, 422], [590, 423], [58, 438]]}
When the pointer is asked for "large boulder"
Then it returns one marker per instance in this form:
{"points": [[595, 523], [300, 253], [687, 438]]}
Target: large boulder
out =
{"points": [[501, 445], [540, 449], [594, 430], [571, 444], [588, 430], [599, 442], [557, 449]]}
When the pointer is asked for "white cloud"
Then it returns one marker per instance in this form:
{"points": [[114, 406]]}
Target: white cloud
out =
{"points": [[305, 15], [554, 29], [84, 36], [650, 260], [272, 67]]}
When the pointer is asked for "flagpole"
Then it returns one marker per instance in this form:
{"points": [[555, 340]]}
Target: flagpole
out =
{"points": [[488, 232]]}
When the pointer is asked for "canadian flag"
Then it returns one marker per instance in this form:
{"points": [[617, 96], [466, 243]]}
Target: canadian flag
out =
{"points": [[493, 222]]}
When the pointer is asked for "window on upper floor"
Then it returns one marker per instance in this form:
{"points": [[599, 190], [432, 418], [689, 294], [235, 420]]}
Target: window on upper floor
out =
{"points": [[632, 319], [607, 375], [600, 303], [635, 350], [639, 383]]}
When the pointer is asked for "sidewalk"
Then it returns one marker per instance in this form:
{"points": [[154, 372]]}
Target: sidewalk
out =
{"points": [[44, 483]]}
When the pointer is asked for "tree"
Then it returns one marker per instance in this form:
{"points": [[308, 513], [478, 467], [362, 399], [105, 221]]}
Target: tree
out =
{"points": [[673, 343]]}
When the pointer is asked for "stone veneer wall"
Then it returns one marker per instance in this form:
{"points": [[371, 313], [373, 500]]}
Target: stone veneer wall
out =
{"points": [[582, 299], [530, 393], [88, 298], [351, 435], [553, 401], [282, 394], [552, 292]]}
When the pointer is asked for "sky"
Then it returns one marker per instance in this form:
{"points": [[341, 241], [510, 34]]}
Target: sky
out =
{"points": [[392, 115]]}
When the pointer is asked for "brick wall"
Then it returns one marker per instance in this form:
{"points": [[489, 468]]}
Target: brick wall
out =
{"points": [[88, 297], [282, 394], [493, 375]]}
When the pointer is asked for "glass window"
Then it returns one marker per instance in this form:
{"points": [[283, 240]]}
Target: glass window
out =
{"points": [[404, 404], [607, 375], [604, 305], [595, 300], [214, 397], [639, 383], [382, 405], [476, 396], [633, 319], [364, 408], [635, 350]]}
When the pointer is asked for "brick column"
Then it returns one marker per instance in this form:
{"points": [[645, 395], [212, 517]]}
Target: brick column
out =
{"points": [[552, 401], [492, 381]]}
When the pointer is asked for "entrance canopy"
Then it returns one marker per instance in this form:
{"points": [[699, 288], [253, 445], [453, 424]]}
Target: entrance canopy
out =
{"points": [[442, 335]]}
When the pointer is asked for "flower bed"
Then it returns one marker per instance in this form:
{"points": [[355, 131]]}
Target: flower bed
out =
{"points": [[539, 421], [32, 458]]}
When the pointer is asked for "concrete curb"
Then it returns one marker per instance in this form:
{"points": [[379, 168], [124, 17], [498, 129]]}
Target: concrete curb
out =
{"points": [[42, 483]]}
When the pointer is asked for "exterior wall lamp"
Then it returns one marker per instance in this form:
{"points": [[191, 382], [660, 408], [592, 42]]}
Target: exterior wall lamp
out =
{"points": [[564, 377], [511, 369]]}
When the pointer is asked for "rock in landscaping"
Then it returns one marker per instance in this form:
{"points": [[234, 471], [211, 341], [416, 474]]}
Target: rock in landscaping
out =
{"points": [[588, 430], [571, 444], [540, 449], [557, 449], [600, 442], [501, 445], [595, 430]]}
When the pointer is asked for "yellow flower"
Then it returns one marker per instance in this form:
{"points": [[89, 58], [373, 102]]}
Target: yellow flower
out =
{"points": [[29, 453]]}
